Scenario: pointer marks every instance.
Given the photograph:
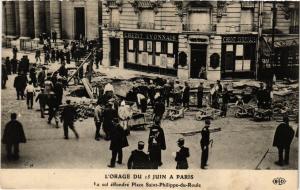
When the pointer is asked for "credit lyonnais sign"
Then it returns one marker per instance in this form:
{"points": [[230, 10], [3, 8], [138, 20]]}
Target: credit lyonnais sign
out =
{"points": [[238, 39], [151, 36]]}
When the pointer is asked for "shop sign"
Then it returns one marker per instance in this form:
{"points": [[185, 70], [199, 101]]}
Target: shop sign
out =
{"points": [[151, 36], [238, 39]]}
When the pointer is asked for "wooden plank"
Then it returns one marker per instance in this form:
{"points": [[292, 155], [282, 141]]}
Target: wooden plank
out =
{"points": [[85, 60], [88, 87]]}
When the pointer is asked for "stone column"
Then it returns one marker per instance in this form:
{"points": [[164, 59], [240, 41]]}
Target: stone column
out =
{"points": [[10, 18], [55, 17], [37, 18], [23, 12]]}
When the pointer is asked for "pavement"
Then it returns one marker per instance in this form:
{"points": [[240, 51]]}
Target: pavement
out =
{"points": [[241, 143]]}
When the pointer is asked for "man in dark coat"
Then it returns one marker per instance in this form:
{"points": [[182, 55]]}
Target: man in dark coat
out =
{"points": [[54, 36], [32, 75], [41, 77], [12, 136], [8, 65], [4, 76], [225, 101], [186, 95], [14, 64], [205, 140], [22, 65], [283, 137], [58, 90], [182, 155], [200, 90], [20, 84], [67, 117], [108, 114], [261, 96], [52, 107], [159, 110], [62, 71], [42, 98], [167, 92], [156, 143], [138, 158], [15, 51], [117, 142]]}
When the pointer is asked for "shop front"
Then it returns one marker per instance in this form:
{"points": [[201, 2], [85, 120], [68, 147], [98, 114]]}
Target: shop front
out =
{"points": [[151, 52], [238, 56]]}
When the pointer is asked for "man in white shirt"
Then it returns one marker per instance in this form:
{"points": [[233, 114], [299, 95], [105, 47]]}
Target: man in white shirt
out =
{"points": [[30, 92]]}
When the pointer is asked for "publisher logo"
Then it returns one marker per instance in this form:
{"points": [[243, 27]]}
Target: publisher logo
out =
{"points": [[279, 181]]}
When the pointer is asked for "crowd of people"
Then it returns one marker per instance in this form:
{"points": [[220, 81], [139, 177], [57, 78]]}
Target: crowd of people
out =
{"points": [[110, 113]]}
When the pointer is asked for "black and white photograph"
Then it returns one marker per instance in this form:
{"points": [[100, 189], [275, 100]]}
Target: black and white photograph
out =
{"points": [[150, 85]]}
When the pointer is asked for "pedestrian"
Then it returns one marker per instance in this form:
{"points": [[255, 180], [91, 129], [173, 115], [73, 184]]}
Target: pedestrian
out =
{"points": [[261, 96], [13, 135], [108, 114], [159, 110], [52, 108], [181, 155], [20, 83], [42, 98], [156, 143], [151, 92], [186, 95], [200, 90], [138, 158], [68, 56], [22, 65], [62, 71], [142, 102], [4, 76], [41, 39], [54, 36], [15, 51], [57, 54], [225, 101], [167, 92], [98, 120], [48, 84], [53, 55], [47, 58], [14, 64], [124, 114], [117, 143], [41, 77], [205, 140], [30, 93], [67, 117], [177, 93], [26, 64], [283, 137], [38, 56], [32, 75], [61, 56], [8, 65], [59, 91]]}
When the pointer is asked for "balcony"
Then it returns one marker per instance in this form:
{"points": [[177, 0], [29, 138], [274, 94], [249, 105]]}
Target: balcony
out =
{"points": [[113, 26], [146, 25], [247, 28], [294, 29], [199, 27]]}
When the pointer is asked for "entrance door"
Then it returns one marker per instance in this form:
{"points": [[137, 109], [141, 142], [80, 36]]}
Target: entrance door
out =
{"points": [[114, 51], [79, 23], [198, 59]]}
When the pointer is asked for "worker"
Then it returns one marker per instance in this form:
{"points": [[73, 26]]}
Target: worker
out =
{"points": [[205, 140], [181, 155]]}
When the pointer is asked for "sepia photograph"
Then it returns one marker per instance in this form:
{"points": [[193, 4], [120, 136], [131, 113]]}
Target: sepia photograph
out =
{"points": [[163, 85]]}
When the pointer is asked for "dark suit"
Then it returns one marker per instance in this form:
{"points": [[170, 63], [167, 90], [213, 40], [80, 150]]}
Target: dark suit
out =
{"points": [[12, 136], [117, 142], [42, 98], [204, 146], [138, 160], [200, 96], [108, 115], [20, 85], [181, 158], [68, 116], [156, 143], [186, 96], [283, 137]]}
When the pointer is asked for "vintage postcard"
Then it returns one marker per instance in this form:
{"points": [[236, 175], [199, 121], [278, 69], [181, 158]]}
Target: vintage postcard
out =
{"points": [[149, 94]]}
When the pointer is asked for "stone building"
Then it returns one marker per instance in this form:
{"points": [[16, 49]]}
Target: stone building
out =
{"points": [[70, 19], [188, 39], [192, 39]]}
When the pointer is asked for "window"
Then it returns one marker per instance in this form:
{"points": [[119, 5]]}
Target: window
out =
{"points": [[146, 19], [130, 45], [199, 21], [246, 20], [115, 16]]}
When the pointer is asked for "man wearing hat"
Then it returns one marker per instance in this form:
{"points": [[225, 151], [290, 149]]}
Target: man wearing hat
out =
{"points": [[156, 143], [186, 95], [138, 158], [42, 98], [200, 90], [52, 107], [98, 120], [182, 155], [205, 143], [108, 114], [20, 83], [283, 137], [67, 117], [117, 142]]}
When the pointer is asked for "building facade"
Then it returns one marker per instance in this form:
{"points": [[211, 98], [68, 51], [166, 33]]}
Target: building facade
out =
{"points": [[70, 19], [187, 39]]}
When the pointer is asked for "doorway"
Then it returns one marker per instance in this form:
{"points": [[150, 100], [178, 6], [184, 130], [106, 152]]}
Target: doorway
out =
{"points": [[198, 60], [114, 51], [79, 23]]}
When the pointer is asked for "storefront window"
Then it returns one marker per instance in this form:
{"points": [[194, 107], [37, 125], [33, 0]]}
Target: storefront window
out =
{"points": [[130, 45], [158, 47], [170, 48]]}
